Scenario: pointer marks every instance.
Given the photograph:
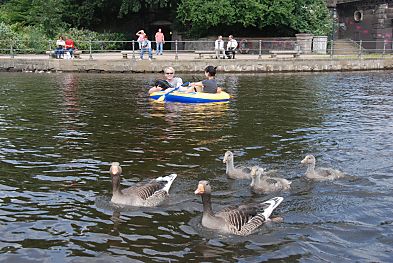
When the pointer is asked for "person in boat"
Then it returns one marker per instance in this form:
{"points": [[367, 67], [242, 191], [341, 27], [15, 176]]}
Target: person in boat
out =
{"points": [[209, 85], [169, 82]]}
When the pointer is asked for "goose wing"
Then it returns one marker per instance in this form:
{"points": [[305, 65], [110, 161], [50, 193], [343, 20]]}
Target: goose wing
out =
{"points": [[243, 169], [144, 191], [328, 173], [247, 218], [272, 181], [237, 217], [270, 173]]}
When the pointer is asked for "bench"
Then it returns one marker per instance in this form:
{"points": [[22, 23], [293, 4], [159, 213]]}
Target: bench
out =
{"points": [[51, 53], [274, 53], [200, 53], [126, 52], [211, 53]]}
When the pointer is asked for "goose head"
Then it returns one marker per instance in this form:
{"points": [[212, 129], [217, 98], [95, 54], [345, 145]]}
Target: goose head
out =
{"points": [[203, 188], [309, 159], [115, 169], [115, 172], [228, 156], [255, 173]]}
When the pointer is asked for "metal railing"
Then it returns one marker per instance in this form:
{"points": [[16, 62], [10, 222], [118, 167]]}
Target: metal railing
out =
{"points": [[254, 48]]}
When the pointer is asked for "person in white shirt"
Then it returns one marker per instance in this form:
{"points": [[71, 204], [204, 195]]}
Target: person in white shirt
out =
{"points": [[219, 47], [60, 44], [231, 47]]}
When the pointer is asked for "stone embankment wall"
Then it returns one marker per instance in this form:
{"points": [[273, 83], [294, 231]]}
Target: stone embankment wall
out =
{"points": [[238, 65]]}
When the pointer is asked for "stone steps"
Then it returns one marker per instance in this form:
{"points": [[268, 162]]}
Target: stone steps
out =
{"points": [[345, 47]]}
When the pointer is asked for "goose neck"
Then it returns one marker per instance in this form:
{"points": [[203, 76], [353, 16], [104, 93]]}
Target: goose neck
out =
{"points": [[311, 168], [252, 181], [230, 166], [258, 179], [207, 204], [116, 184]]}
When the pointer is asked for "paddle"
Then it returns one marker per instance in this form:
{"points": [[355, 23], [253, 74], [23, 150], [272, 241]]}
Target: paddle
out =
{"points": [[162, 98]]}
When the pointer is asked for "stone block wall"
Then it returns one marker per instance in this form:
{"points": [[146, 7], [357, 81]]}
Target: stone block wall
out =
{"points": [[369, 21]]}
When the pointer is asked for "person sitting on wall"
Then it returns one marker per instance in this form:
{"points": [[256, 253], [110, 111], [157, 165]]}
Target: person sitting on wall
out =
{"points": [[231, 47], [60, 44], [70, 47], [219, 47], [146, 46]]}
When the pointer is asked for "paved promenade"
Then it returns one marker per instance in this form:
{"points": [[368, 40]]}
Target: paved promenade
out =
{"points": [[167, 56], [188, 62]]}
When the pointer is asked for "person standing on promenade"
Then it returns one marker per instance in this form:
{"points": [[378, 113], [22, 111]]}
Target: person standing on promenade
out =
{"points": [[231, 47], [219, 47], [160, 40], [141, 36], [168, 83]]}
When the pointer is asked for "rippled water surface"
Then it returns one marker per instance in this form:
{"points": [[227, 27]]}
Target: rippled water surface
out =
{"points": [[60, 132]]}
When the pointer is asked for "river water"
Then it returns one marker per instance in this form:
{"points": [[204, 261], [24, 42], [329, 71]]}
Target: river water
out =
{"points": [[60, 132]]}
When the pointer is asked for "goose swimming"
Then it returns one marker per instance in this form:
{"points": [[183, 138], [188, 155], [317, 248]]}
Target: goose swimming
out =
{"points": [[143, 194], [238, 220]]}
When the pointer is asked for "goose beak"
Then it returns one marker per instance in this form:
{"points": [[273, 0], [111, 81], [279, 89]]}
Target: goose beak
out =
{"points": [[303, 161], [225, 160], [200, 190]]}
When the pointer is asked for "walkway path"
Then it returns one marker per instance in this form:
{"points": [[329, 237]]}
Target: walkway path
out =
{"points": [[165, 57]]}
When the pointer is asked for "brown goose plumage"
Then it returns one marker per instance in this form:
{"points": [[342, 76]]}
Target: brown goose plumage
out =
{"points": [[144, 194], [239, 220]]}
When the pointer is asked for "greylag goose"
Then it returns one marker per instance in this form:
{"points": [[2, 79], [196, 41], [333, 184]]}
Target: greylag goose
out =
{"points": [[320, 174], [262, 182], [239, 220], [235, 172], [148, 194]]}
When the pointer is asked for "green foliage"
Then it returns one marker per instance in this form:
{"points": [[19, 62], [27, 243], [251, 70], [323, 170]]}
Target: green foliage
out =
{"points": [[135, 6], [28, 40], [33, 25], [43, 14], [33, 40], [82, 38], [7, 36], [312, 17], [308, 16], [87, 13]]}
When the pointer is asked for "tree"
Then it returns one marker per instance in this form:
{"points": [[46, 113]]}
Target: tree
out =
{"points": [[312, 16], [308, 16], [44, 14]]}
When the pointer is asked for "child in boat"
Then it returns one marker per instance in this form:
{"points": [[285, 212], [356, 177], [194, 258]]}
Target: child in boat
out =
{"points": [[208, 85]]}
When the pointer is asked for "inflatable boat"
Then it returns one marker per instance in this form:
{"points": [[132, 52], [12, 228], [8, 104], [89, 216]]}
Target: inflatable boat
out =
{"points": [[192, 97]]}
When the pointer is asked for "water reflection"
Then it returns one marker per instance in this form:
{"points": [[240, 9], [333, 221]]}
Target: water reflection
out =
{"points": [[192, 117]]}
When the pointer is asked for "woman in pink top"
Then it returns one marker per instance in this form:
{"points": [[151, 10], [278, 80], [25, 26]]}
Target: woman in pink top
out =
{"points": [[159, 42]]}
